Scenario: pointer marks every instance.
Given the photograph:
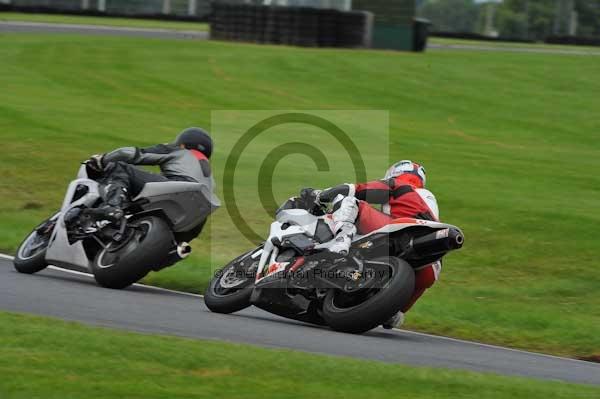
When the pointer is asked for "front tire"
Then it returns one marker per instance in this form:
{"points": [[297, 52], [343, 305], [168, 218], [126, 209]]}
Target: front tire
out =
{"points": [[121, 264], [341, 314], [230, 290], [31, 255]]}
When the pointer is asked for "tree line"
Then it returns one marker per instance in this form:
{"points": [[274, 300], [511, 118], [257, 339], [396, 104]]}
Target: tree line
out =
{"points": [[519, 19]]}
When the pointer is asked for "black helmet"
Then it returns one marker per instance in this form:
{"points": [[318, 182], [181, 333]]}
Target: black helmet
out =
{"points": [[195, 138]]}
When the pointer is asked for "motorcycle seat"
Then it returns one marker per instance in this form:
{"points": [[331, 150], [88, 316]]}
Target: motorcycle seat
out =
{"points": [[155, 189]]}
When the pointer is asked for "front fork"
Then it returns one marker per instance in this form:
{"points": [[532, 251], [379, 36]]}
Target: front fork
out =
{"points": [[267, 257]]}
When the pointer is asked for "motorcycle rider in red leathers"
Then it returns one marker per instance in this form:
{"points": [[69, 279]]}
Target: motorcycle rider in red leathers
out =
{"points": [[401, 194]]}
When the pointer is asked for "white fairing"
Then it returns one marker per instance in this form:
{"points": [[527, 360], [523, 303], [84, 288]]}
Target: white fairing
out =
{"points": [[298, 217], [299, 221], [430, 200], [289, 222]]}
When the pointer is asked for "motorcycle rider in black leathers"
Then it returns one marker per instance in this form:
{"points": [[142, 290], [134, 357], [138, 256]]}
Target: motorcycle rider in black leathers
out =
{"points": [[185, 160]]}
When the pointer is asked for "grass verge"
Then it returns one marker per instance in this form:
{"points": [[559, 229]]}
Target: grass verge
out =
{"points": [[42, 357]]}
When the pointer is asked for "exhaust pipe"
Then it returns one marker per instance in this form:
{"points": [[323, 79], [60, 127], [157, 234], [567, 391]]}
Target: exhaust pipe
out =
{"points": [[184, 250], [438, 242]]}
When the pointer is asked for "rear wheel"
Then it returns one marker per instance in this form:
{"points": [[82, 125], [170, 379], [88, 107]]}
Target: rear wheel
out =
{"points": [[366, 309], [230, 290], [31, 255], [120, 264]]}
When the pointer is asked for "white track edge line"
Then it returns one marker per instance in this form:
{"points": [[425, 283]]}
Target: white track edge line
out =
{"points": [[462, 341], [490, 346], [60, 269]]}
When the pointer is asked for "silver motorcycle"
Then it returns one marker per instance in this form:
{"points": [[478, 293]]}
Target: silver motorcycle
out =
{"points": [[150, 236]]}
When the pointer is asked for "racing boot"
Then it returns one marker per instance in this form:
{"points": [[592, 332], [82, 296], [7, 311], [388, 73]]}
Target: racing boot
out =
{"points": [[111, 210], [345, 212], [394, 322]]}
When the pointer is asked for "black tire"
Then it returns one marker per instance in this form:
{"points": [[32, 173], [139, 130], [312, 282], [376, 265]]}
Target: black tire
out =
{"points": [[32, 262], [131, 261], [223, 300], [378, 308]]}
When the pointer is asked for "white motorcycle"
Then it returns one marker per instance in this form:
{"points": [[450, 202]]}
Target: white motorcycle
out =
{"points": [[293, 275]]}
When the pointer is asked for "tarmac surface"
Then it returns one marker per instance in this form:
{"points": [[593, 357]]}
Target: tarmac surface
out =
{"points": [[75, 296]]}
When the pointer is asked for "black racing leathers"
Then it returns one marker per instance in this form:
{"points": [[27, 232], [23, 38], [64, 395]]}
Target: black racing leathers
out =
{"points": [[176, 164]]}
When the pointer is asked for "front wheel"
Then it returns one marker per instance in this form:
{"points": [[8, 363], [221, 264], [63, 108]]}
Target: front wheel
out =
{"points": [[31, 255], [230, 290], [366, 309], [120, 264]]}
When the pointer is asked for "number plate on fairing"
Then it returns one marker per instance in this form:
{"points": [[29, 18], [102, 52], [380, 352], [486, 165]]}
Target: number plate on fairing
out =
{"points": [[276, 267], [273, 269]]}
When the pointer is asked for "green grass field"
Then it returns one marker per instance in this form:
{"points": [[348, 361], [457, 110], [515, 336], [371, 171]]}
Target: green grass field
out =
{"points": [[44, 358], [108, 21], [510, 142]]}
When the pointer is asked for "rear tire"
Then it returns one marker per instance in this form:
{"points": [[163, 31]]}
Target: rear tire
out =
{"points": [[376, 309], [221, 300], [30, 261], [133, 260]]}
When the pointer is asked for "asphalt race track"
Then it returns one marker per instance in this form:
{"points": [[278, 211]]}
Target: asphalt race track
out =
{"points": [[37, 27], [72, 296], [515, 49]]}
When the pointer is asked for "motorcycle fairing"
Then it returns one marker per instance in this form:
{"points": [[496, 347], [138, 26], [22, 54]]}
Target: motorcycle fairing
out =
{"points": [[60, 251], [185, 204], [177, 200], [403, 223]]}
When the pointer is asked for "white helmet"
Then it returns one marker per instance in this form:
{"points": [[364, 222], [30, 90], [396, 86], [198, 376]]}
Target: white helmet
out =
{"points": [[409, 172]]}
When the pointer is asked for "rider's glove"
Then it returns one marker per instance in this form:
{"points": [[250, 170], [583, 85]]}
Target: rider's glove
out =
{"points": [[316, 196], [310, 196], [329, 194], [95, 163], [306, 192]]}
